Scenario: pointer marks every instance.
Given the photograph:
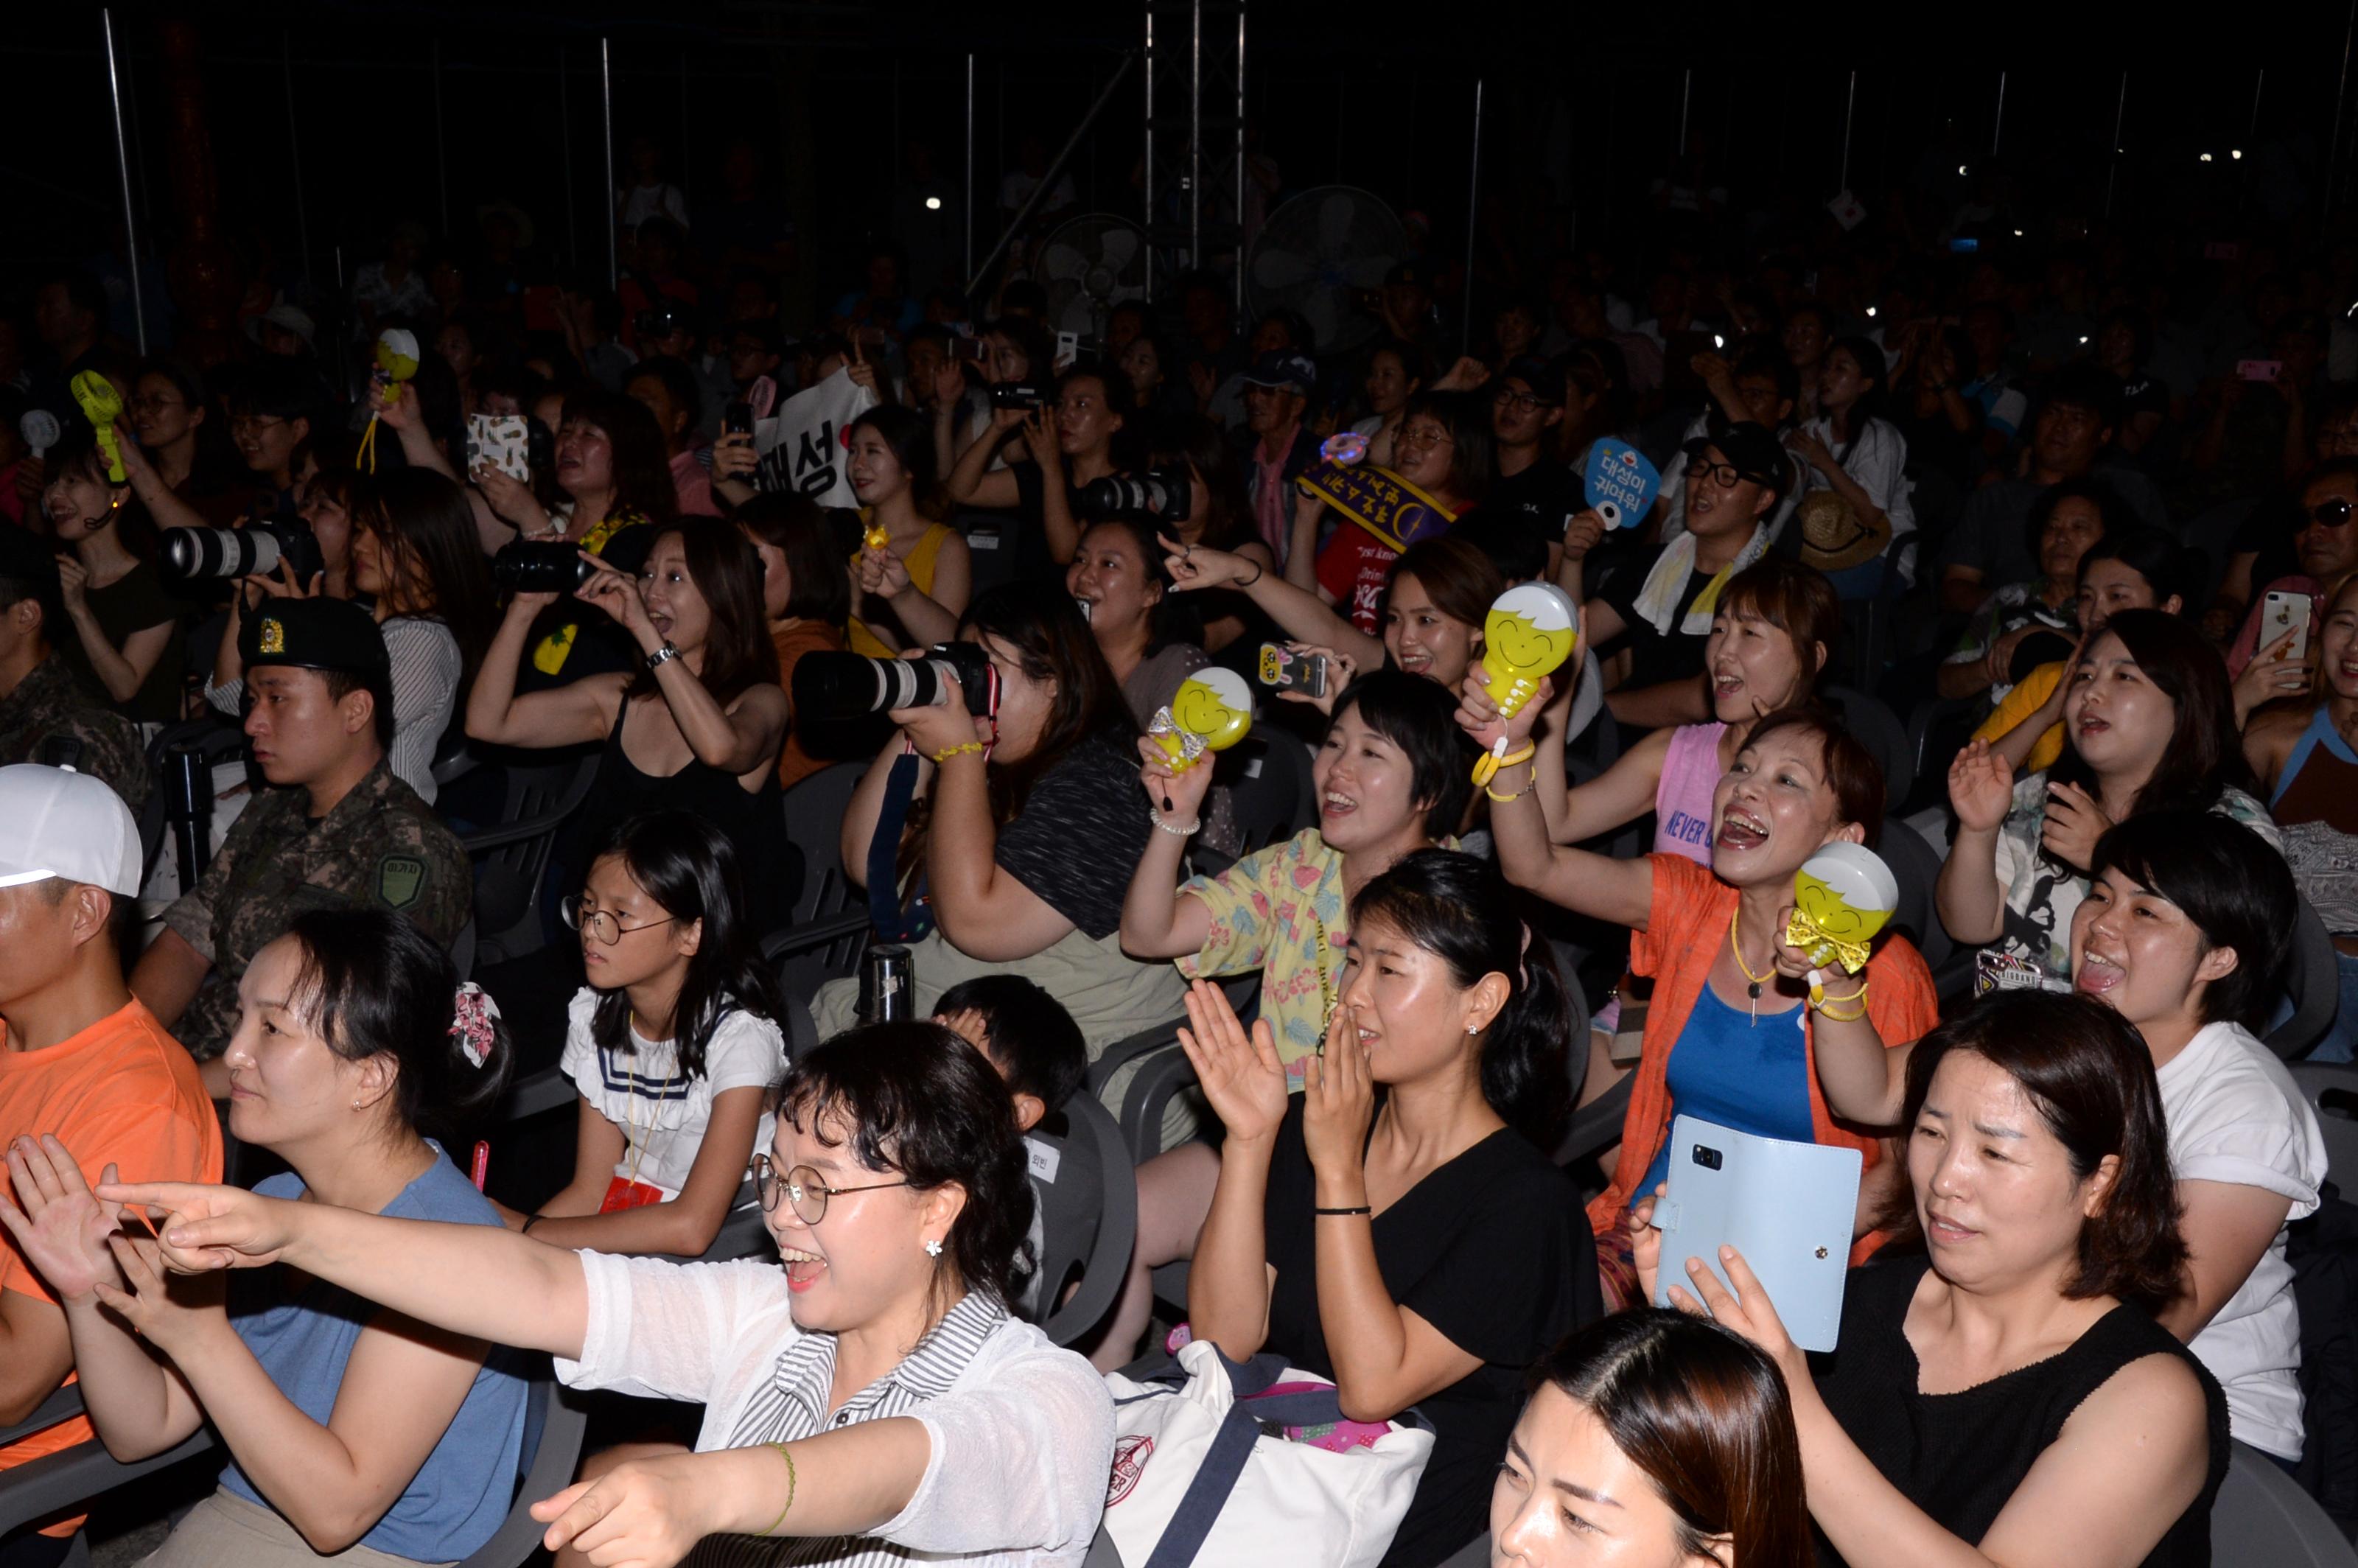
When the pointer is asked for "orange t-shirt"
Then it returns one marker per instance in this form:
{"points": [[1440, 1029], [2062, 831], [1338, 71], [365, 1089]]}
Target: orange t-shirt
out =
{"points": [[1685, 932], [122, 1092]]}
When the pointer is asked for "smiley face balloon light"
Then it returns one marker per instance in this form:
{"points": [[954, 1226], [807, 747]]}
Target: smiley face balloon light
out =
{"points": [[396, 362], [1530, 633], [1211, 711], [1843, 895]]}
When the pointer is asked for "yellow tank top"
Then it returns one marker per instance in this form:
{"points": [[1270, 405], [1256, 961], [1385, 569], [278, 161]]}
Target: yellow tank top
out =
{"points": [[920, 562]]}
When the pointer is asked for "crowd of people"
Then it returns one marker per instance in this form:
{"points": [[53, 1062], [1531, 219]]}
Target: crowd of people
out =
{"points": [[2077, 515]]}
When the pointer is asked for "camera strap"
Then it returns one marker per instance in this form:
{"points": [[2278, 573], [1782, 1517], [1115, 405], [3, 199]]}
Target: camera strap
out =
{"points": [[893, 921]]}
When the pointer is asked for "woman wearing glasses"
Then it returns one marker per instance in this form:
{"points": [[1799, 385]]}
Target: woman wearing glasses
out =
{"points": [[674, 1044], [873, 1394], [1445, 450]]}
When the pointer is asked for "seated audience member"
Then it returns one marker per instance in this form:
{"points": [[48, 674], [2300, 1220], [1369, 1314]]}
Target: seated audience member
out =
{"points": [[1397, 371], [414, 552], [674, 1044], [2149, 723], [1534, 495], [83, 1061], [1003, 843], [1434, 604], [1218, 518], [698, 726], [1065, 444], [1861, 456], [1985, 1385], [271, 415], [667, 389], [1444, 454], [1423, 1252], [2068, 520], [2327, 546], [1990, 545], [2307, 763], [1390, 780], [879, 1364], [175, 453], [1760, 387], [1277, 447], [1659, 605], [805, 598], [1723, 1040], [919, 579], [124, 630], [1117, 578], [1660, 1437], [357, 1047], [2265, 544], [1038, 1051], [2134, 567], [337, 827], [45, 714]]}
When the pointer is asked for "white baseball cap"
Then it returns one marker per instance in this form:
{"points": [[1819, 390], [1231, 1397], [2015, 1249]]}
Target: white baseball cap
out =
{"points": [[55, 822]]}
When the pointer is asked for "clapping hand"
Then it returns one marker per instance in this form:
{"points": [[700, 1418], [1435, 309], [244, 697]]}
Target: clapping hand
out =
{"points": [[1981, 787], [1339, 1101], [60, 1229], [1240, 1075]]}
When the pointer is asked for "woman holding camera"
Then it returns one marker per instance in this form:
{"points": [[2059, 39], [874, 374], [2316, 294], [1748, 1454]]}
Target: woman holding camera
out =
{"points": [[1002, 839], [696, 728], [413, 553], [918, 579], [125, 641], [1069, 442], [805, 594]]}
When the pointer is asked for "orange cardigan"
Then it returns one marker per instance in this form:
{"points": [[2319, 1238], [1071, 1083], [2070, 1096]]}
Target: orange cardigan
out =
{"points": [[1684, 930]]}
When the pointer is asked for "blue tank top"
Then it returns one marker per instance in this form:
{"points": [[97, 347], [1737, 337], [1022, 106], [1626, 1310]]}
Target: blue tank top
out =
{"points": [[1728, 1070], [461, 1494]]}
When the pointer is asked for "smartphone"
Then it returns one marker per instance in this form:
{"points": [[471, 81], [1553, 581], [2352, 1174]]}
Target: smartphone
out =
{"points": [[1068, 348], [1964, 244], [1282, 669], [737, 419], [966, 348], [2259, 370], [2282, 612], [1786, 1206], [503, 440]]}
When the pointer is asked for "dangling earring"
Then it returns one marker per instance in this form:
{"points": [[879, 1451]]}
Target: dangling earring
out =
{"points": [[932, 1249]]}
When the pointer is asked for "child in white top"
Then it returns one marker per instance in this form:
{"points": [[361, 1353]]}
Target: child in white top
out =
{"points": [[674, 1044]]}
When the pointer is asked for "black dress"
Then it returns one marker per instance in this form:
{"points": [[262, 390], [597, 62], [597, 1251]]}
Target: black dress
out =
{"points": [[1493, 1250], [1960, 1456]]}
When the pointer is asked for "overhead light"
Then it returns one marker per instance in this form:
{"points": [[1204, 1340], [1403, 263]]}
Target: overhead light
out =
{"points": [[2083, 337], [933, 203], [1961, 168], [2206, 158], [1717, 341], [2018, 233], [1870, 309], [2235, 152]]}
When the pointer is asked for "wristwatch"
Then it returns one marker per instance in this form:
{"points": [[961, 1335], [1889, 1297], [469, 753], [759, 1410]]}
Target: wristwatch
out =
{"points": [[661, 656]]}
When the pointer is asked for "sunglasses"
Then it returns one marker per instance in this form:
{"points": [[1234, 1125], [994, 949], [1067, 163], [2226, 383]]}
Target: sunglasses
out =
{"points": [[2330, 513]]}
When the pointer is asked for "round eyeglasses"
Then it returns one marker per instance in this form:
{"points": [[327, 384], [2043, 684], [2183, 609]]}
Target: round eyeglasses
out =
{"points": [[805, 1193], [600, 923]]}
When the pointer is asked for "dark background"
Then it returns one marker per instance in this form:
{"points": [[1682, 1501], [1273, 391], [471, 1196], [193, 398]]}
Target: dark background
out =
{"points": [[1582, 106]]}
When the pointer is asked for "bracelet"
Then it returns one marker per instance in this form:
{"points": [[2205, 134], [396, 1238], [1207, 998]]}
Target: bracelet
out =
{"points": [[1825, 1004], [1486, 765], [661, 656], [1363, 1208], [945, 754], [1851, 1017], [530, 1222], [1503, 799], [1164, 825], [1259, 572], [786, 1454]]}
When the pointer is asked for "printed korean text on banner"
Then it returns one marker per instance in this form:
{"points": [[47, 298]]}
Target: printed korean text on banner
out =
{"points": [[1394, 510], [805, 446], [1620, 483]]}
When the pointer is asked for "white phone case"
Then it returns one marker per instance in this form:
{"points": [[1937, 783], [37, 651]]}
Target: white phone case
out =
{"points": [[1787, 1208], [2283, 613]]}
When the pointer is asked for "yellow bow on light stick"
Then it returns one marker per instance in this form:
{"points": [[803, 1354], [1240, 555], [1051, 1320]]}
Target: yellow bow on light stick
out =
{"points": [[1841, 896]]}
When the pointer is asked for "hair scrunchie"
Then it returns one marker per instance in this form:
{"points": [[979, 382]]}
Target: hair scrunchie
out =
{"points": [[472, 1019]]}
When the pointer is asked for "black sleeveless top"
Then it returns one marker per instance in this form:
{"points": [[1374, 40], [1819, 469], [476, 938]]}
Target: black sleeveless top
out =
{"points": [[1960, 1456], [753, 820]]}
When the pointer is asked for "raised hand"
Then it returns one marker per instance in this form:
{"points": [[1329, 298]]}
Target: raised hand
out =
{"points": [[881, 572], [61, 1229], [1240, 1075], [208, 1228], [617, 595], [2073, 824], [166, 1319], [1582, 533], [1480, 718], [1646, 1244], [1340, 670], [1338, 1100], [1195, 567], [1178, 792], [1746, 1310], [1981, 787]]}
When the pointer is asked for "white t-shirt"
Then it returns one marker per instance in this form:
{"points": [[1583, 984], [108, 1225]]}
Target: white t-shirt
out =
{"points": [[1877, 460], [662, 1112], [2236, 1116]]}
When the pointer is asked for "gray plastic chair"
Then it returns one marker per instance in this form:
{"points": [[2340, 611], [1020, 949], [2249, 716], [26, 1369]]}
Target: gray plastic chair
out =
{"points": [[1878, 729], [1090, 1221], [813, 810], [2263, 1520], [2314, 983], [511, 859], [2331, 1090]]}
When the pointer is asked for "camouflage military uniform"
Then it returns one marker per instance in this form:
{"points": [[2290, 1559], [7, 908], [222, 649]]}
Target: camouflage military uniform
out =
{"points": [[379, 844], [51, 718]]}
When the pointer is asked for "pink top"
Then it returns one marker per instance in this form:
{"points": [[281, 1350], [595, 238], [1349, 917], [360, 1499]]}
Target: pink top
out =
{"points": [[1682, 800]]}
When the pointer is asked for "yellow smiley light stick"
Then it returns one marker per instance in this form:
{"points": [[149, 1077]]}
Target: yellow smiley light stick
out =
{"points": [[396, 362], [1531, 630], [1211, 711], [1843, 895]]}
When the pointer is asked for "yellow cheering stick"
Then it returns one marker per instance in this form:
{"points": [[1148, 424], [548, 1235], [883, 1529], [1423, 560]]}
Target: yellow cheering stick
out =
{"points": [[1843, 895], [1211, 711], [102, 406], [396, 362], [1531, 630]]}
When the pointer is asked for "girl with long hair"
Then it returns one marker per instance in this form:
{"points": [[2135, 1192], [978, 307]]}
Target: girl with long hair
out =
{"points": [[922, 572], [122, 632]]}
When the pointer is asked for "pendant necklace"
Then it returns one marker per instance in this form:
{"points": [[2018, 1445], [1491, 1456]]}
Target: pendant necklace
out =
{"points": [[1752, 989]]}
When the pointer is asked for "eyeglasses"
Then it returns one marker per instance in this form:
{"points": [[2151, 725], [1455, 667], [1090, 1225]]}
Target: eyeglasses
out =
{"points": [[601, 923], [150, 402], [803, 1190], [2330, 513], [1521, 402], [253, 423], [1724, 475], [1425, 436]]}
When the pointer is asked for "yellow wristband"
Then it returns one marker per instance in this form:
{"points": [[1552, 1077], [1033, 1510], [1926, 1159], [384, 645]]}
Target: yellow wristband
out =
{"points": [[1502, 799], [786, 1454], [1486, 765], [945, 755]]}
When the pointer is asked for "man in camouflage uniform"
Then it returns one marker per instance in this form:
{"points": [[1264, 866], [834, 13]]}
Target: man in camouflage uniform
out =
{"points": [[46, 715], [338, 829]]}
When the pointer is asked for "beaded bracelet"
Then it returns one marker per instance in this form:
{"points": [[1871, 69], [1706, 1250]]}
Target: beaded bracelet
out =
{"points": [[947, 753], [1163, 824], [786, 1454]]}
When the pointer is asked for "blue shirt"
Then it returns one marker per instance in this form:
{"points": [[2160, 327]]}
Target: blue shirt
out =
{"points": [[1728, 1070], [461, 1496]]}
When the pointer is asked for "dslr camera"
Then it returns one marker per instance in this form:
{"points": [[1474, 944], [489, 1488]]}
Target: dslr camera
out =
{"points": [[195, 555], [1159, 495], [846, 684], [539, 565], [1017, 394]]}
